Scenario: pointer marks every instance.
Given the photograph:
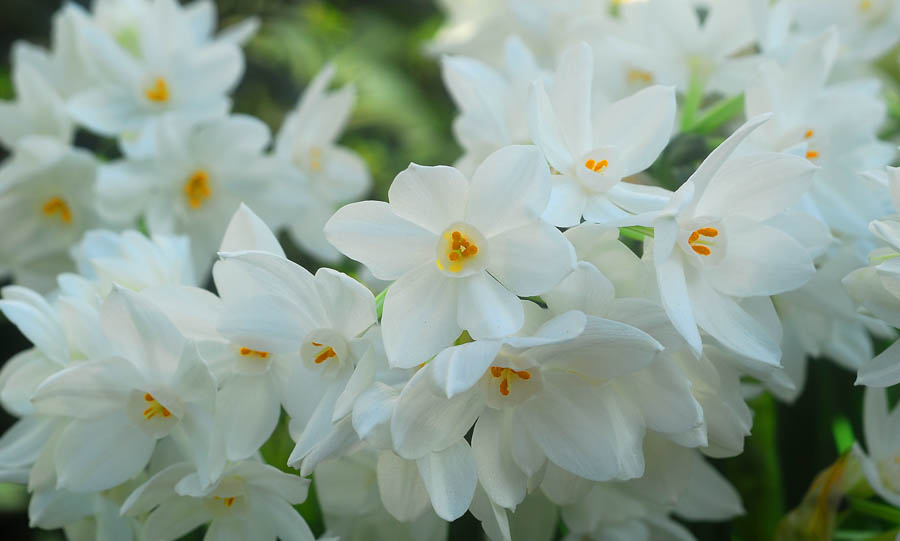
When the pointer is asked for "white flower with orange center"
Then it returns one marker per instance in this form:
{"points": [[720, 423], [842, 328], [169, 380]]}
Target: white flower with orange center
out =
{"points": [[723, 245], [150, 385], [881, 459], [592, 152], [194, 181], [327, 175], [460, 250], [249, 499]]}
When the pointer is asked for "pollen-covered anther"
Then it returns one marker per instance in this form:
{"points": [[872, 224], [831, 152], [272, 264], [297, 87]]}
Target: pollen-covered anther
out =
{"points": [[808, 134], [155, 408], [197, 188], [811, 154], [460, 249], [865, 5], [507, 374], [158, 92], [227, 502], [325, 354], [315, 159], [596, 166], [247, 352], [58, 205], [699, 240], [640, 76]]}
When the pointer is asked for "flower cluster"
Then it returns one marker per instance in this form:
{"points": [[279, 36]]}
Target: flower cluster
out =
{"points": [[566, 333]]}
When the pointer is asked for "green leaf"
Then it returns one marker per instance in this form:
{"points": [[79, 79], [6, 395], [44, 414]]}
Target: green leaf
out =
{"points": [[379, 302], [876, 510], [692, 101], [717, 115]]}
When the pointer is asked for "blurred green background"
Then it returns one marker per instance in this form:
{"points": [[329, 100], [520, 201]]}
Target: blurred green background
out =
{"points": [[403, 114]]}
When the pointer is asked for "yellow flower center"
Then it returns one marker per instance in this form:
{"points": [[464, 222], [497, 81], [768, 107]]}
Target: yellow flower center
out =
{"points": [[505, 375], [459, 249], [698, 240], [596, 166], [640, 76], [326, 352], [247, 352], [197, 189], [227, 502], [155, 408], [57, 205], [158, 92], [865, 5]]}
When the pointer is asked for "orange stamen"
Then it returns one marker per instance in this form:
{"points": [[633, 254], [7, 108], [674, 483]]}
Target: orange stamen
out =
{"points": [[596, 166], [326, 354], [58, 205], [808, 134], [155, 407], [247, 352], [506, 374], [197, 189], [159, 92], [699, 245], [810, 154]]}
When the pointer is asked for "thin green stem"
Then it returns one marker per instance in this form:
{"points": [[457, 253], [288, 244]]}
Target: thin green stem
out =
{"points": [[379, 302], [636, 232], [876, 510], [692, 101]]}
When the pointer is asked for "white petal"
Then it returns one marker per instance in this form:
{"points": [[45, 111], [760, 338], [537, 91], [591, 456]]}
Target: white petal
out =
{"points": [[498, 473], [586, 289], [175, 518], [518, 177], [709, 496], [639, 126], [720, 155], [156, 490], [246, 231], [515, 253], [487, 309], [571, 95], [757, 186], [362, 378], [349, 304], [21, 444], [600, 209], [673, 294], [424, 422], [883, 370], [101, 453], [663, 393], [567, 201], [87, 389], [372, 234], [283, 518], [400, 486], [249, 408], [420, 316], [450, 479], [459, 368], [372, 415], [546, 130], [429, 197]]}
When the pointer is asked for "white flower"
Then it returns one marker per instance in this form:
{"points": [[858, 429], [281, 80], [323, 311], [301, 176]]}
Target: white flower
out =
{"points": [[593, 153], [47, 202], [719, 241], [248, 501], [151, 384], [548, 394], [667, 42], [834, 126], [868, 28], [38, 110], [329, 175], [158, 71], [353, 508], [460, 250], [490, 102], [881, 465], [194, 181]]}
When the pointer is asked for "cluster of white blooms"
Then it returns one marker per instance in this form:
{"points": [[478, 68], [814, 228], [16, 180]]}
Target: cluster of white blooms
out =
{"points": [[524, 364], [153, 75]]}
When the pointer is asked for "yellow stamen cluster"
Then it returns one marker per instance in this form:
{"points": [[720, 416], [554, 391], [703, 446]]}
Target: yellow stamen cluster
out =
{"points": [[155, 408], [58, 205], [325, 354], [227, 502], [506, 374], [596, 166], [459, 249], [159, 92], [247, 352], [698, 241], [197, 188], [640, 76]]}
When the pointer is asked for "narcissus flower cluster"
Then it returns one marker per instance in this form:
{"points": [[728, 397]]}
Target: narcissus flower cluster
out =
{"points": [[566, 334]]}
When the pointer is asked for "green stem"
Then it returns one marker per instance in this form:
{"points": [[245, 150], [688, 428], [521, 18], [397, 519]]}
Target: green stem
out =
{"points": [[636, 232], [714, 117], [379, 302], [692, 101], [877, 510]]}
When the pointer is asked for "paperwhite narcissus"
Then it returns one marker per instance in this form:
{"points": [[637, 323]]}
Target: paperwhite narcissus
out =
{"points": [[249, 500], [460, 250], [867, 27], [151, 384], [353, 508], [538, 396], [490, 102], [835, 126], [47, 201], [194, 181], [38, 109], [718, 242], [158, 71], [881, 459], [591, 154], [328, 175]]}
